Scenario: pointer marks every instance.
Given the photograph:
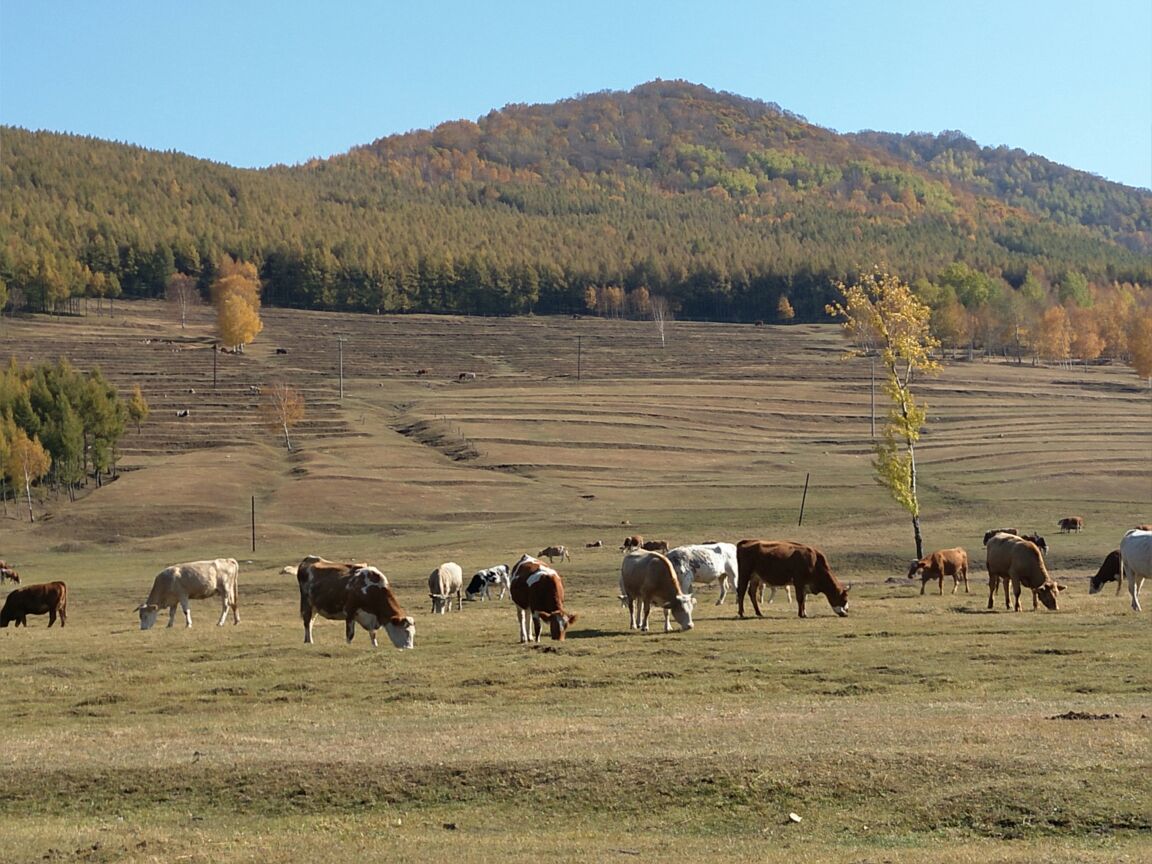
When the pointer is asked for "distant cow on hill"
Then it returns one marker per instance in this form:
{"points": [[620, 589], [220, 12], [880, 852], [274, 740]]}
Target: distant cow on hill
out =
{"points": [[554, 552], [49, 597], [1071, 523]]}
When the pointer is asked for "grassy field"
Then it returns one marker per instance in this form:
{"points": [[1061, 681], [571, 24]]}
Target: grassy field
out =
{"points": [[920, 728]]}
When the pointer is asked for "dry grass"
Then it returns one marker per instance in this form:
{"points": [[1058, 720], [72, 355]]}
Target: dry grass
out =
{"points": [[917, 729]]}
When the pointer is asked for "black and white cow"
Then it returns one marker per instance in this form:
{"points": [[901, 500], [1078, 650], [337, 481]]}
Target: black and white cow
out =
{"points": [[483, 581]]}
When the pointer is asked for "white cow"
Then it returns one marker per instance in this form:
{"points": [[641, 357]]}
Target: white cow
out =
{"points": [[648, 579], [196, 580], [706, 563], [1136, 561], [443, 582]]}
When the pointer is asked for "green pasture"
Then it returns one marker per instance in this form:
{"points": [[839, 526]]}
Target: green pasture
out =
{"points": [[919, 728]]}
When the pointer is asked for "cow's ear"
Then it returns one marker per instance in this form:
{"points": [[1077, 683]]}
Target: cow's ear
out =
{"points": [[572, 616], [847, 587], [1060, 587]]}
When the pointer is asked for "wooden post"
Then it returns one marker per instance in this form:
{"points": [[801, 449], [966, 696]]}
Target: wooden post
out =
{"points": [[804, 498], [872, 411], [215, 351], [340, 343], [578, 357], [253, 523]]}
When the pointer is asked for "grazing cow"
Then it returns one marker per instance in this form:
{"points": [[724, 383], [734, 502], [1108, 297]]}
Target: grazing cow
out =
{"points": [[1071, 523], [943, 562], [655, 546], [631, 543], [988, 535], [354, 594], [443, 582], [483, 581], [1135, 561], [8, 573], [48, 597], [466, 376], [197, 580], [781, 562], [705, 563], [595, 544], [554, 552], [1014, 560], [1109, 570], [647, 578], [538, 593]]}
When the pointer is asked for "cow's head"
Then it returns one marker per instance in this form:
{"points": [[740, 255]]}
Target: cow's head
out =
{"points": [[839, 600], [148, 612], [681, 609], [558, 622], [441, 603], [402, 631], [1047, 594], [915, 567]]}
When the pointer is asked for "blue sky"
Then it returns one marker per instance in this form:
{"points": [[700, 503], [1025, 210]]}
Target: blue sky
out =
{"points": [[256, 82]]}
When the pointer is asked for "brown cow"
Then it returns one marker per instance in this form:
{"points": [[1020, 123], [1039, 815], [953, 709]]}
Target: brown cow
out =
{"points": [[941, 563], [554, 552], [538, 594], [1071, 523], [353, 593], [1018, 561], [655, 546], [648, 578], [8, 573], [631, 543], [48, 597], [780, 562]]}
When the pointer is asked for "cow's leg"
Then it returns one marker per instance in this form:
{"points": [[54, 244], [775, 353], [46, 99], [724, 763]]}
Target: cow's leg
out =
{"points": [[63, 612], [723, 589], [349, 628], [1135, 582], [52, 616], [667, 621], [741, 590], [171, 614], [941, 583], [223, 609], [800, 601], [993, 583], [522, 621], [1015, 592], [537, 625], [923, 586], [187, 607], [309, 616], [645, 611], [757, 589], [372, 636]]}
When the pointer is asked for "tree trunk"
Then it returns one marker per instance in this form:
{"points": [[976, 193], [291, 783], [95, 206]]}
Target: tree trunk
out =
{"points": [[287, 442], [28, 493], [919, 539]]}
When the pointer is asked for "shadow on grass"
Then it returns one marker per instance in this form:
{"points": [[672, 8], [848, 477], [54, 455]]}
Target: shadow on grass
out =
{"points": [[973, 610], [592, 634]]}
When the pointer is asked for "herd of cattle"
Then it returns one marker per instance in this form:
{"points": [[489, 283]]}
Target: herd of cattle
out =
{"points": [[651, 575]]}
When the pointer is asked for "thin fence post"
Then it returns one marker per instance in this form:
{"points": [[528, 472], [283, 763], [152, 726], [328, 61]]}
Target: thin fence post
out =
{"points": [[253, 523], [803, 499]]}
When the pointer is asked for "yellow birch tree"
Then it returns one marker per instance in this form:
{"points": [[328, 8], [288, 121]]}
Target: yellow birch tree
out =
{"points": [[236, 295]]}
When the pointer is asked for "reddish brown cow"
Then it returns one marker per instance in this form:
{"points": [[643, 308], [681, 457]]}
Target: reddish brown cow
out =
{"points": [[941, 563], [780, 563], [1071, 523], [1019, 562], [354, 593], [538, 593], [655, 546], [49, 597]]}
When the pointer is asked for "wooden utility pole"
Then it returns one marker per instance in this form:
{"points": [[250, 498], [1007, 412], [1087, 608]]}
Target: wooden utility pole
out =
{"points": [[803, 499], [340, 343], [578, 358]]}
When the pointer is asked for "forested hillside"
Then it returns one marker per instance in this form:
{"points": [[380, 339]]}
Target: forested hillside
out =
{"points": [[729, 208]]}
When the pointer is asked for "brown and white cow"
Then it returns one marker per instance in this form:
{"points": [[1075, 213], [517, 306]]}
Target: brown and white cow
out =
{"points": [[8, 573], [538, 594], [636, 541], [782, 562], [48, 597], [941, 563], [554, 552], [648, 578], [443, 582], [197, 580], [1071, 523], [354, 593], [1019, 562]]}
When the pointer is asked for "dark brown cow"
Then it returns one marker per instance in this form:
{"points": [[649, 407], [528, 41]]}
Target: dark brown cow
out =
{"points": [[49, 597], [8, 573], [1109, 570], [941, 563], [353, 593], [1071, 523], [780, 563], [538, 593], [655, 546]]}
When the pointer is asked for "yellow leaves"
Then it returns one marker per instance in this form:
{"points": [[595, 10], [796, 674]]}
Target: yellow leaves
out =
{"points": [[236, 294]]}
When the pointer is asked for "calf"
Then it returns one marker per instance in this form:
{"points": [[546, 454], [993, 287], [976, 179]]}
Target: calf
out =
{"points": [[197, 580], [443, 582], [483, 581], [944, 562], [49, 597], [782, 562], [647, 578], [1071, 523], [554, 552], [353, 593], [538, 593]]}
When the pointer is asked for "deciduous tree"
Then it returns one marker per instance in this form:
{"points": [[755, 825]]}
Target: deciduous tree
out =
{"points": [[28, 462], [282, 408], [236, 295], [182, 295], [880, 310], [138, 409]]}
